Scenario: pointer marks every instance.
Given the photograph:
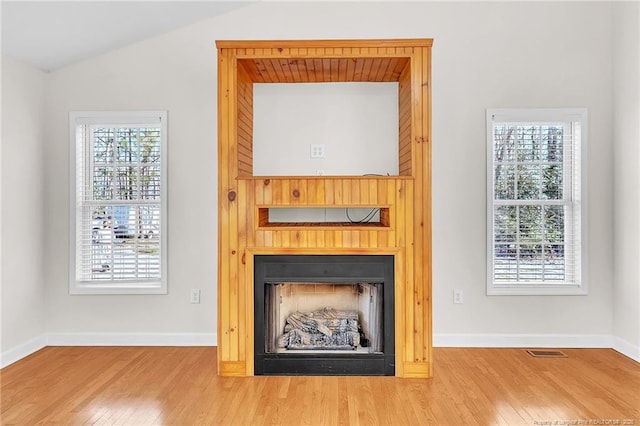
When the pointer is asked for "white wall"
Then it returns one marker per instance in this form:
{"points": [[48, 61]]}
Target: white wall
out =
{"points": [[485, 54], [173, 73], [23, 210], [356, 123], [518, 55], [626, 130]]}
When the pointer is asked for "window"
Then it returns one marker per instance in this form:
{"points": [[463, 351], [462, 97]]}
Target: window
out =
{"points": [[535, 219], [118, 202]]}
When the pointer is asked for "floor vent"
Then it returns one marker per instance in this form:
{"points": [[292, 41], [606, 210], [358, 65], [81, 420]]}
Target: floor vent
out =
{"points": [[546, 354]]}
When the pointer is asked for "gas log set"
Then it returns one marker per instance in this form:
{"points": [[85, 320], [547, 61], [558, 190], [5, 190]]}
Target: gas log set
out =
{"points": [[324, 329]]}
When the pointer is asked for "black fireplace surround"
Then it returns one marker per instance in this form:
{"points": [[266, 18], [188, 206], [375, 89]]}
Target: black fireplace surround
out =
{"points": [[329, 269]]}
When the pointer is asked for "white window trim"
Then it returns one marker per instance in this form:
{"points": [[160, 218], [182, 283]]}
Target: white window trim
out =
{"points": [[117, 118], [538, 115]]}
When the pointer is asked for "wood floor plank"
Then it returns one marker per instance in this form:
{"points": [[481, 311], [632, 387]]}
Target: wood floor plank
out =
{"points": [[180, 386]]}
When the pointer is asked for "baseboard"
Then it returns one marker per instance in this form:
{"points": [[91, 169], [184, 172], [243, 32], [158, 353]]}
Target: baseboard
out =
{"points": [[131, 339], [21, 351], [626, 348], [106, 339], [523, 340], [210, 339]]}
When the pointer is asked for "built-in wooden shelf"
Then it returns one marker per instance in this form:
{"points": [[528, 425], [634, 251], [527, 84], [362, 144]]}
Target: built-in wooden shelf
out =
{"points": [[383, 222], [404, 228], [332, 225]]}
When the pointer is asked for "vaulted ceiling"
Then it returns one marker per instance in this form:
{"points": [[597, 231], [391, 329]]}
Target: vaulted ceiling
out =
{"points": [[53, 34]]}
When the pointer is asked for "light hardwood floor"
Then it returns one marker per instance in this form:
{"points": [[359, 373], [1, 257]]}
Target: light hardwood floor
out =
{"points": [[178, 385]]}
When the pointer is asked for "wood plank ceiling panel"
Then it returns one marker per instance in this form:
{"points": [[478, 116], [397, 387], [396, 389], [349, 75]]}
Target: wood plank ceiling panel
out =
{"points": [[305, 70]]}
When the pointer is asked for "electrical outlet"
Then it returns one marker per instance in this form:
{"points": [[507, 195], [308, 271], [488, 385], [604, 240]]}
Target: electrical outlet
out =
{"points": [[317, 151], [195, 295], [458, 295]]}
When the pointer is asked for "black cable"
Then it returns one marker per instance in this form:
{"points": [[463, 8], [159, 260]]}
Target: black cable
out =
{"points": [[369, 216], [366, 219]]}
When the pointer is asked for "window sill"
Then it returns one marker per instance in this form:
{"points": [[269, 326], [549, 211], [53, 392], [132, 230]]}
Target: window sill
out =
{"points": [[117, 289], [537, 290]]}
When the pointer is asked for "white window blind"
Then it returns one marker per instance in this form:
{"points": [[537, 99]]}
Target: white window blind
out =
{"points": [[534, 198], [118, 203]]}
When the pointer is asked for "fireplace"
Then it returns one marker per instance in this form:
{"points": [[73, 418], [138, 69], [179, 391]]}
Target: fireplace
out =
{"points": [[246, 200], [324, 315]]}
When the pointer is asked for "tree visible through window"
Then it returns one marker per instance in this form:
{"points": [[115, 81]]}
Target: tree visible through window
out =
{"points": [[534, 202], [119, 202]]}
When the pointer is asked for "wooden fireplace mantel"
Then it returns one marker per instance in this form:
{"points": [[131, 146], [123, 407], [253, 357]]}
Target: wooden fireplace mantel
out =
{"points": [[405, 226]]}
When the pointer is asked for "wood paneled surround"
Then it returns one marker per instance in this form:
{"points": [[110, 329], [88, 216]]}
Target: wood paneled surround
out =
{"points": [[404, 229]]}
